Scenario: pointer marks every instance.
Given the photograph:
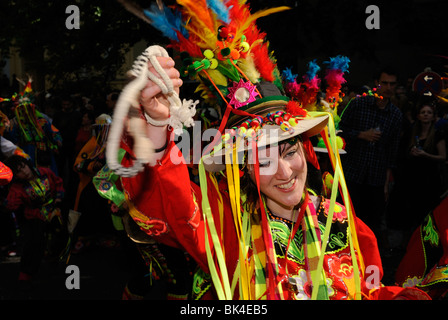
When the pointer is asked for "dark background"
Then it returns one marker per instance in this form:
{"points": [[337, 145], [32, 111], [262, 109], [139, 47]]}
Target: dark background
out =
{"points": [[411, 37]]}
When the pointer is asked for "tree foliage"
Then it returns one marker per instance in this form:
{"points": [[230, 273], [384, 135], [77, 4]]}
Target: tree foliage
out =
{"points": [[312, 29], [92, 53]]}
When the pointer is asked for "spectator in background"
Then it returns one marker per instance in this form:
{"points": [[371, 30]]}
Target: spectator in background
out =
{"points": [[371, 127], [85, 130], [418, 182], [32, 131], [111, 101], [37, 193]]}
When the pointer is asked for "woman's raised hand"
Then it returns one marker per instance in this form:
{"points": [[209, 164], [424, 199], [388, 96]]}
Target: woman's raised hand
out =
{"points": [[153, 101]]}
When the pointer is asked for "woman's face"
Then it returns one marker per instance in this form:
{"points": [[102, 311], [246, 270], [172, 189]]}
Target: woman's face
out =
{"points": [[426, 114], [283, 173], [86, 119], [24, 172]]}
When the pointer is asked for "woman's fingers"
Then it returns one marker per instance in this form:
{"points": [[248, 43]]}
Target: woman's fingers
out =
{"points": [[151, 97], [167, 65], [151, 89]]}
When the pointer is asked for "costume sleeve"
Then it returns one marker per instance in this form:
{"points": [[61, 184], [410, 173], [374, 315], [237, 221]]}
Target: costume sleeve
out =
{"points": [[9, 149], [15, 198], [427, 247], [108, 184], [167, 206], [369, 246], [164, 204]]}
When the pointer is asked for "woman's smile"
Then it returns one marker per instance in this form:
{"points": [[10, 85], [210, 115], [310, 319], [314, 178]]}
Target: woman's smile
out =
{"points": [[288, 186]]}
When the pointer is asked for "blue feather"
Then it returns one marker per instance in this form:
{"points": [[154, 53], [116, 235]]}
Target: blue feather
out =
{"points": [[288, 75], [338, 63], [313, 69], [166, 21], [220, 9]]}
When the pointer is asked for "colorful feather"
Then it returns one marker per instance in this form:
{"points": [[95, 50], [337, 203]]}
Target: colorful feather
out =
{"points": [[313, 69], [248, 67], [337, 66], [263, 61], [187, 45], [167, 22], [196, 9], [307, 90], [220, 9]]}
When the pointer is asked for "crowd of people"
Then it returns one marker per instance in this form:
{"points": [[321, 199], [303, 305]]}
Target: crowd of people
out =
{"points": [[46, 143]]}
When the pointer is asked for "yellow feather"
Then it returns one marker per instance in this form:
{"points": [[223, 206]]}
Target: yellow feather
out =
{"points": [[248, 67], [217, 77]]}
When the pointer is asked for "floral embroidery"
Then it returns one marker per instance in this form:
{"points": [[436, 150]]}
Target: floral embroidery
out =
{"points": [[411, 282], [341, 266], [153, 227], [430, 233], [436, 274], [280, 236], [105, 186], [339, 213]]}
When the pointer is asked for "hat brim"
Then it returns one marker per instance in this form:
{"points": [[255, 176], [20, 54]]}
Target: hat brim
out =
{"points": [[260, 107], [268, 135]]}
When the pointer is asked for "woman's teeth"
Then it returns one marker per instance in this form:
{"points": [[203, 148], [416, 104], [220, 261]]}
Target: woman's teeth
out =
{"points": [[286, 185]]}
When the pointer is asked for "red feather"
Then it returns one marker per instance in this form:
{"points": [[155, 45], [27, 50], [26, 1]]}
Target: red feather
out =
{"points": [[311, 155], [263, 61], [186, 45], [294, 108]]}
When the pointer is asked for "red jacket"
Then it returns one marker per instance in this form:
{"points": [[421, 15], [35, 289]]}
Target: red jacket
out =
{"points": [[36, 205]]}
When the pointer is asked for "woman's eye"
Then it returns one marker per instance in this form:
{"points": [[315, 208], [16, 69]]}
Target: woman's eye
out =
{"points": [[265, 164], [291, 153]]}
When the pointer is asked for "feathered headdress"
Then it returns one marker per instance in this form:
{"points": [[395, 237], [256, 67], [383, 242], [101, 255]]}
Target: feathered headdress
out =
{"points": [[306, 92], [27, 115], [220, 45]]}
